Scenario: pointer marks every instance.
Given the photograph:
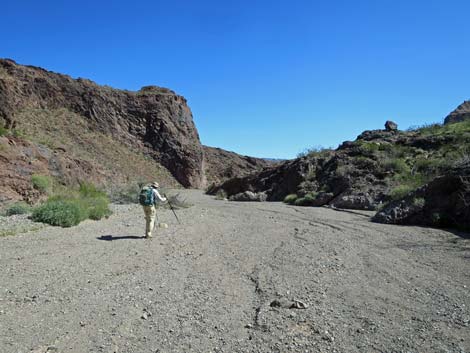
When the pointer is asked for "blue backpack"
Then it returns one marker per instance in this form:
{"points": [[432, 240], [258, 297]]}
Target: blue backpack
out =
{"points": [[147, 197]]}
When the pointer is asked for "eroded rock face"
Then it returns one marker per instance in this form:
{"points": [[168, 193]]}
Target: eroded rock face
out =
{"points": [[221, 165], [460, 114], [153, 119], [444, 202]]}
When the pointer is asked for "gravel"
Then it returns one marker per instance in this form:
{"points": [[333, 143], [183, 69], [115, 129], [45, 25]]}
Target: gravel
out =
{"points": [[235, 277]]}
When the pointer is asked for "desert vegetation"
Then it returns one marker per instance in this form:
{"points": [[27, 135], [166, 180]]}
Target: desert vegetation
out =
{"points": [[68, 207]]}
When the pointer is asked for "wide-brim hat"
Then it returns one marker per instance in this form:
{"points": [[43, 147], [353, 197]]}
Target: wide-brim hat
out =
{"points": [[155, 185]]}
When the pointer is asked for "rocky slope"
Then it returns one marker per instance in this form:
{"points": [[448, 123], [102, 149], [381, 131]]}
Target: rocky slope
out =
{"points": [[73, 129], [379, 167], [221, 165], [460, 114]]}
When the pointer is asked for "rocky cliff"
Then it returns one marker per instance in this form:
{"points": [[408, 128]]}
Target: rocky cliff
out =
{"points": [[154, 119], [74, 129]]}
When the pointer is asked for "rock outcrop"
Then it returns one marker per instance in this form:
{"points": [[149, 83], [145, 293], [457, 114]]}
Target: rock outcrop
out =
{"points": [[115, 135], [460, 114], [221, 165], [153, 119], [375, 169], [444, 202]]}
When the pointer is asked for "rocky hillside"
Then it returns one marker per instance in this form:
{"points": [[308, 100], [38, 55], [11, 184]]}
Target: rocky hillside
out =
{"points": [[73, 129], [376, 170], [221, 165]]}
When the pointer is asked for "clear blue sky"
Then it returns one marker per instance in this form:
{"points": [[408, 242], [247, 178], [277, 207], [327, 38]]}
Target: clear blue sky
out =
{"points": [[263, 78]]}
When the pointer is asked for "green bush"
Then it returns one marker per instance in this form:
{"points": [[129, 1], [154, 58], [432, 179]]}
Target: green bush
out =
{"points": [[401, 191], [71, 207], [307, 200], [419, 202], [63, 213], [396, 165], [41, 182], [290, 199], [128, 194], [3, 131], [18, 208], [221, 195], [89, 190]]}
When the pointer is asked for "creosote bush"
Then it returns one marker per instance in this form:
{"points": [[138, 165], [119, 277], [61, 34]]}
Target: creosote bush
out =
{"points": [[18, 208], [307, 200], [70, 207], [41, 182], [401, 191], [290, 199]]}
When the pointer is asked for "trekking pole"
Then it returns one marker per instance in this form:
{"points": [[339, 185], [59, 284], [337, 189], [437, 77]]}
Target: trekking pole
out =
{"points": [[169, 203]]}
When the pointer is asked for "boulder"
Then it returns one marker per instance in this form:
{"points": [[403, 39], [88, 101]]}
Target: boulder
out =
{"points": [[444, 202], [391, 126], [359, 201], [249, 196]]}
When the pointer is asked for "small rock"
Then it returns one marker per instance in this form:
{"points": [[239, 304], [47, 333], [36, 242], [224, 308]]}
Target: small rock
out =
{"points": [[275, 304], [297, 304]]}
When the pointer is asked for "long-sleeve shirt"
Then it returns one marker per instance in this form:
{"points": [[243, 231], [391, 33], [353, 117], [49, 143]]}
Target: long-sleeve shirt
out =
{"points": [[157, 195]]}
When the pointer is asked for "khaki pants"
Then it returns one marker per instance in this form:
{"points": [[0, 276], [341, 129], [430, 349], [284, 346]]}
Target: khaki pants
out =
{"points": [[150, 216]]}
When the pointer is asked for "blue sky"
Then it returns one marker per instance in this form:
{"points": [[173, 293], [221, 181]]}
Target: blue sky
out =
{"points": [[263, 78]]}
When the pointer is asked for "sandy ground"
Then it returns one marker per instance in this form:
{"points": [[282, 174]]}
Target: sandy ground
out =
{"points": [[235, 277]]}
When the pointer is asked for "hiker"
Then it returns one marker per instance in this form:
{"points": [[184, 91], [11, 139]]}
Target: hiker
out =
{"points": [[148, 198]]}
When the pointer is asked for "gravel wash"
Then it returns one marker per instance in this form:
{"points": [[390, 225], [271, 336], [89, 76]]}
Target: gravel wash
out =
{"points": [[235, 277]]}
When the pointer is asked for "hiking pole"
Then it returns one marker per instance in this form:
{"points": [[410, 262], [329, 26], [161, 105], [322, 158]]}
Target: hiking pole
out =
{"points": [[169, 203]]}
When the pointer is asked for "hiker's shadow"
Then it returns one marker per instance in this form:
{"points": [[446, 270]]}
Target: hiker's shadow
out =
{"points": [[118, 237]]}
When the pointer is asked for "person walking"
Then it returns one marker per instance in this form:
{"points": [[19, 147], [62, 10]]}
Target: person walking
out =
{"points": [[148, 198]]}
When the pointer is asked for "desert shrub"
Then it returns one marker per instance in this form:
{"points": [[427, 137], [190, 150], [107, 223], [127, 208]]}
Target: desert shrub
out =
{"points": [[307, 200], [3, 131], [221, 195], [97, 207], [419, 202], [128, 194], [401, 191], [368, 147], [396, 165], [72, 206], [41, 182], [18, 208], [306, 187], [345, 170], [315, 151], [90, 190], [63, 213], [290, 199], [429, 129], [429, 166]]}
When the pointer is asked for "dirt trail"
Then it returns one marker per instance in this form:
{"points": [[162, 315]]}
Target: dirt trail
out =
{"points": [[226, 280]]}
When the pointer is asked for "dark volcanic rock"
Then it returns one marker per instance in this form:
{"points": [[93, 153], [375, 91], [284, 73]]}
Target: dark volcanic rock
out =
{"points": [[460, 114], [221, 165], [249, 196], [444, 202], [155, 124], [390, 126], [154, 118]]}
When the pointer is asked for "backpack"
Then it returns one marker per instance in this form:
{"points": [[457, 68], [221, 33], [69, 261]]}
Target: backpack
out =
{"points": [[147, 197]]}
